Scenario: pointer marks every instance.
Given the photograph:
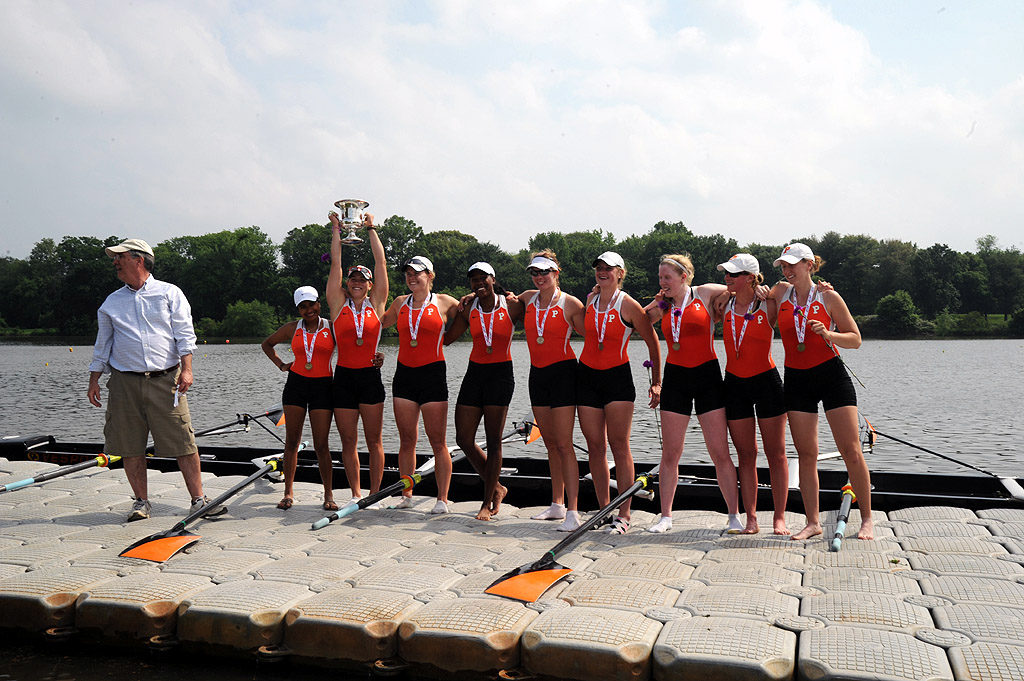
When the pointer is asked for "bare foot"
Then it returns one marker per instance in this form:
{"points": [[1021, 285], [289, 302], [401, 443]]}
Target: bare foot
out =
{"points": [[484, 514], [812, 530], [752, 527], [779, 526], [499, 494], [867, 529]]}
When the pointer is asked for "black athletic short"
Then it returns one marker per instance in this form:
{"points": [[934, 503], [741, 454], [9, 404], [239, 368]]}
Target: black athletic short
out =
{"points": [[308, 393], [353, 387], [554, 385], [487, 385], [827, 383], [762, 393], [684, 389], [599, 387], [428, 383]]}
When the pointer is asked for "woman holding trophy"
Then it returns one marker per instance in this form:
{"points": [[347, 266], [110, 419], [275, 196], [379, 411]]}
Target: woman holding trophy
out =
{"points": [[357, 305], [420, 385]]}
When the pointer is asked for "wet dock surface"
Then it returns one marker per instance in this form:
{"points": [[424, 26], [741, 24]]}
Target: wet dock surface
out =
{"points": [[938, 595]]}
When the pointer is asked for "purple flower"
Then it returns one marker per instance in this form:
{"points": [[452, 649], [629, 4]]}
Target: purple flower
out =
{"points": [[647, 364], [748, 316], [676, 313], [326, 257], [663, 304], [797, 310]]}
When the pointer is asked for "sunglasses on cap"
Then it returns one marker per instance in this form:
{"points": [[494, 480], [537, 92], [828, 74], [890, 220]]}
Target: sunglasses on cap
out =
{"points": [[737, 274], [534, 272]]}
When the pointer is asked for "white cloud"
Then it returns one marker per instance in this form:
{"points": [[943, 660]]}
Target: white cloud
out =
{"points": [[762, 120]]}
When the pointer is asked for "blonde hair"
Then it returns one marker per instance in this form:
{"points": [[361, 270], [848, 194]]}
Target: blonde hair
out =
{"points": [[818, 263], [546, 253], [682, 262]]}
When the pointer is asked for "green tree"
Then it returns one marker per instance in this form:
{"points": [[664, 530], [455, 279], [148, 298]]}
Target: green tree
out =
{"points": [[218, 268], [1005, 275], [897, 315], [972, 324], [305, 258], [935, 269], [1016, 325], [254, 319]]}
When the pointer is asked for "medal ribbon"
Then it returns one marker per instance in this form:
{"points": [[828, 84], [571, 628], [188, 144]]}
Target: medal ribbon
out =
{"points": [[415, 330], [306, 345], [676, 320], [488, 331], [800, 313], [747, 316], [542, 321], [358, 316], [604, 319]]}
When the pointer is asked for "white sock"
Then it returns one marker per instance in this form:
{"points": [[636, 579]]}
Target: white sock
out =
{"points": [[663, 525], [571, 522], [735, 526], [552, 512]]}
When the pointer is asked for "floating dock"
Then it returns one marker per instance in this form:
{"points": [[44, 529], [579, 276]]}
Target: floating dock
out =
{"points": [[938, 595]]}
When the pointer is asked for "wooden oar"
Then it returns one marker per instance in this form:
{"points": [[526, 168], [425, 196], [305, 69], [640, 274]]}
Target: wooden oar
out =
{"points": [[410, 481], [527, 583], [162, 545], [844, 515], [1009, 484], [101, 461]]}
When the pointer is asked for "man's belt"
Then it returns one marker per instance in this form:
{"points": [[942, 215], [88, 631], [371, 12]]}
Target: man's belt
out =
{"points": [[151, 374]]}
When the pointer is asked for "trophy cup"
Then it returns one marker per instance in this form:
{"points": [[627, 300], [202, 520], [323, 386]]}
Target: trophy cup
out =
{"points": [[351, 217]]}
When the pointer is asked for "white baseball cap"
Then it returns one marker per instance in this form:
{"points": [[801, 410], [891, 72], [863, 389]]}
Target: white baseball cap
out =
{"points": [[609, 258], [303, 293], [129, 245], [483, 267], [794, 253], [741, 262], [419, 263]]}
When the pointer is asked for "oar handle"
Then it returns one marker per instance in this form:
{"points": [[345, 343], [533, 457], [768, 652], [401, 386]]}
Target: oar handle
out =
{"points": [[843, 516], [100, 461], [271, 465]]}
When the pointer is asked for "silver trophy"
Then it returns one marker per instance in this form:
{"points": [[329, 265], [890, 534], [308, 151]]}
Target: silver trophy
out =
{"points": [[351, 217]]}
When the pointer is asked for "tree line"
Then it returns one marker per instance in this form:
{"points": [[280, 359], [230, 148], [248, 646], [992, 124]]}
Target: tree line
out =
{"points": [[240, 282]]}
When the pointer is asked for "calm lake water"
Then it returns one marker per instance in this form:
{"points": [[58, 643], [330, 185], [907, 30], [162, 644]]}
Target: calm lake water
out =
{"points": [[962, 398]]}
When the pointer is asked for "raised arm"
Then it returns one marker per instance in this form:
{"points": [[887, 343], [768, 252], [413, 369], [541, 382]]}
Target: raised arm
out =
{"points": [[381, 285], [335, 293]]}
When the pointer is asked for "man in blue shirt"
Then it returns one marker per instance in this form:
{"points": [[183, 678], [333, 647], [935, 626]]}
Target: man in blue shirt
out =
{"points": [[145, 341]]}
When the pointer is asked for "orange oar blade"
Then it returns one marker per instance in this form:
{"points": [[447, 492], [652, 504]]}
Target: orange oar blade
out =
{"points": [[280, 421], [160, 547], [534, 433], [528, 583]]}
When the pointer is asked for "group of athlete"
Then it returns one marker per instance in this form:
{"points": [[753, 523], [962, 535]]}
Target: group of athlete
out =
{"points": [[597, 387]]}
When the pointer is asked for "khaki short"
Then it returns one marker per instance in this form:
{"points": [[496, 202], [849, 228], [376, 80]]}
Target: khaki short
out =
{"points": [[137, 406]]}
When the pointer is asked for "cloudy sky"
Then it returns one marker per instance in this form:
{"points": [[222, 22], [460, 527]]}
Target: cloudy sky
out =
{"points": [[762, 120]]}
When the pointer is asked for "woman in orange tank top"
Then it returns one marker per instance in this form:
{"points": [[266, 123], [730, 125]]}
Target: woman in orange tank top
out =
{"points": [[488, 384], [812, 324], [605, 392], [358, 391], [550, 315], [693, 382], [420, 383], [753, 388], [308, 388]]}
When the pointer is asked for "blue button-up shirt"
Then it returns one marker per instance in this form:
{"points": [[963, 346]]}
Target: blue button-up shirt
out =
{"points": [[145, 330]]}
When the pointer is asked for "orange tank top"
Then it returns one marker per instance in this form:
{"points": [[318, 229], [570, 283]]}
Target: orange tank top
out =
{"points": [[495, 326], [748, 340], [357, 331], [548, 331], [606, 338], [316, 361], [690, 332], [420, 333], [793, 325]]}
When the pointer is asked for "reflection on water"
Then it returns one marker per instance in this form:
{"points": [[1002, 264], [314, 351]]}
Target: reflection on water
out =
{"points": [[960, 398]]}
